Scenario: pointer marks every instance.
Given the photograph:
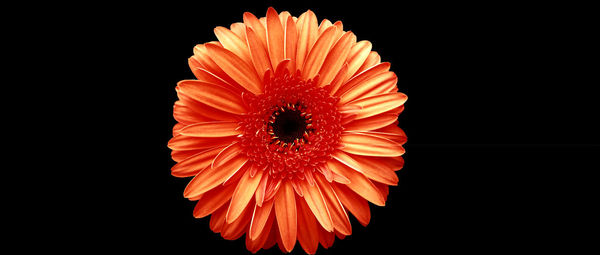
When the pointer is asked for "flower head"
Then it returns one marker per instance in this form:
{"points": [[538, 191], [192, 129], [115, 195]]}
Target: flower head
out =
{"points": [[289, 126]]}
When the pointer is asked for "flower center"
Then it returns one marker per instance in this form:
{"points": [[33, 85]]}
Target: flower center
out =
{"points": [[292, 128]]}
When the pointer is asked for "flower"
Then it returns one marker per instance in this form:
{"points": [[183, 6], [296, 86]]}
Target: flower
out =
{"points": [[288, 126]]}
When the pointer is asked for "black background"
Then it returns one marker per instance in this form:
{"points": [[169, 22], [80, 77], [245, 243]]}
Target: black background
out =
{"points": [[499, 113]]}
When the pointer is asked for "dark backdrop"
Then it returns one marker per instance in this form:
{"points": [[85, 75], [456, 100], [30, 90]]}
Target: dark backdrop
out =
{"points": [[497, 110]]}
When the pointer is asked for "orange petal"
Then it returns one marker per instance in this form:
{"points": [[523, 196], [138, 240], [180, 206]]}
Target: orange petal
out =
{"points": [[375, 85], [396, 137], [212, 129], [236, 68], [226, 154], [260, 193], [308, 233], [236, 229], [335, 59], [339, 79], [317, 54], [209, 178], [258, 52], [251, 21], [213, 95], [182, 142], [339, 217], [233, 43], [203, 110], [217, 219], [370, 145], [307, 35], [275, 37], [213, 200], [345, 159], [285, 211], [358, 182], [375, 169], [362, 76], [372, 59], [314, 200], [358, 55], [291, 40], [325, 23], [378, 104], [202, 57], [357, 205], [185, 115], [259, 241], [192, 165], [239, 29], [370, 123], [326, 238], [283, 17], [242, 195], [204, 75], [259, 219]]}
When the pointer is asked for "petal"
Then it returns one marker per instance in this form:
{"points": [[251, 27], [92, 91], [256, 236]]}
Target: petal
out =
{"points": [[285, 211], [185, 115], [339, 217], [358, 182], [372, 59], [258, 242], [362, 76], [252, 22], [183, 142], [212, 129], [194, 164], [205, 111], [259, 219], [233, 43], [375, 169], [335, 59], [370, 123], [258, 52], [239, 29], [317, 54], [339, 79], [358, 55], [307, 35], [236, 68], [226, 154], [370, 145], [260, 193], [326, 238], [236, 229], [202, 57], [375, 85], [213, 95], [217, 219], [275, 37], [396, 137], [378, 104], [291, 41], [242, 195], [213, 200], [209, 178], [206, 76], [314, 200], [357, 205], [308, 233]]}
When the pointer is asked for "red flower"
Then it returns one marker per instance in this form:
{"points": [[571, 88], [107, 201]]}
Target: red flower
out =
{"points": [[288, 126]]}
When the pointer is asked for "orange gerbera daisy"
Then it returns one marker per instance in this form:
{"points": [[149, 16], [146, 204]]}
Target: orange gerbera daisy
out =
{"points": [[289, 125]]}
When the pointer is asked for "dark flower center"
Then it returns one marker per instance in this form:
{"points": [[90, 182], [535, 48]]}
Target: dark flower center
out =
{"points": [[290, 125]]}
